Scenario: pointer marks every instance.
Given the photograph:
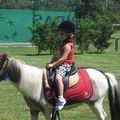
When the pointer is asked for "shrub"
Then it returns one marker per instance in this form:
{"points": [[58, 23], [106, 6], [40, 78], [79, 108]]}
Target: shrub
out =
{"points": [[83, 33], [39, 38], [102, 33], [45, 36]]}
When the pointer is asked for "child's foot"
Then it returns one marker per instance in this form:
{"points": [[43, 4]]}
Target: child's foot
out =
{"points": [[60, 103]]}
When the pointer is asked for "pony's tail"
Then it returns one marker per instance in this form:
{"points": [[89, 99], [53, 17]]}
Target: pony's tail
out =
{"points": [[114, 97]]}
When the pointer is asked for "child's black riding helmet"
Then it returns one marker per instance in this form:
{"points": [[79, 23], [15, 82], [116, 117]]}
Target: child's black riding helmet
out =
{"points": [[67, 26]]}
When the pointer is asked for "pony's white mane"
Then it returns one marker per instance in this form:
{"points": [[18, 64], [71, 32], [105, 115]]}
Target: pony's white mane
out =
{"points": [[30, 84]]}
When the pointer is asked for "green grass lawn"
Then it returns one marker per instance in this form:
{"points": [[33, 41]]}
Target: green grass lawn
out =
{"points": [[12, 105]]}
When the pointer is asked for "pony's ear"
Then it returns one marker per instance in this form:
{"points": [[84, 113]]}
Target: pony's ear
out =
{"points": [[4, 57]]}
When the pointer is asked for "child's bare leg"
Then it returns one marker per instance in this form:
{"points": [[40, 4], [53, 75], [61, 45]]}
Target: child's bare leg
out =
{"points": [[45, 80], [61, 101], [59, 84]]}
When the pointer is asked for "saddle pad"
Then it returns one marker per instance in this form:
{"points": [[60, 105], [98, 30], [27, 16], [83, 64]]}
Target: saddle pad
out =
{"points": [[80, 92]]}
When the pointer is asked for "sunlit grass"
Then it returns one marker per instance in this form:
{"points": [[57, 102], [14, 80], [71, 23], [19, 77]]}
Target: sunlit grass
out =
{"points": [[12, 105]]}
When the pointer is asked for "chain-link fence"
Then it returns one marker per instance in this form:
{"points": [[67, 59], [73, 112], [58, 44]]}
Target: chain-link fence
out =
{"points": [[17, 15]]}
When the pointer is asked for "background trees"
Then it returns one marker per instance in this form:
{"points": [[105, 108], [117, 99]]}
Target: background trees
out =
{"points": [[39, 39], [45, 36], [83, 34], [94, 25], [94, 20], [102, 33]]}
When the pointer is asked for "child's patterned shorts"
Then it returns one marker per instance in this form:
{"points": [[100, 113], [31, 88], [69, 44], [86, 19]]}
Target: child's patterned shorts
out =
{"points": [[63, 69]]}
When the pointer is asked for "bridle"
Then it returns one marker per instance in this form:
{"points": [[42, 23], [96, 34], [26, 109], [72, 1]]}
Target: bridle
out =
{"points": [[4, 69]]}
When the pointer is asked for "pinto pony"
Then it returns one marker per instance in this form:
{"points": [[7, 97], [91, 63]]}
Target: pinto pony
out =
{"points": [[29, 81]]}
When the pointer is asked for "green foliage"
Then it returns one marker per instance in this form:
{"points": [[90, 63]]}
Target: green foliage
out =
{"points": [[39, 38], [88, 8], [53, 39], [93, 26], [39, 4], [89, 31], [18, 4], [45, 36], [97, 32], [83, 32], [115, 17], [102, 33]]}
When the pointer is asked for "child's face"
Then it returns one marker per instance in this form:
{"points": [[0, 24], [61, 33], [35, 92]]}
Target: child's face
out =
{"points": [[63, 35]]}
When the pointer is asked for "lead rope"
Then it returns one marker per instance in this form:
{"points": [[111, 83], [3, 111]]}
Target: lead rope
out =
{"points": [[55, 115]]}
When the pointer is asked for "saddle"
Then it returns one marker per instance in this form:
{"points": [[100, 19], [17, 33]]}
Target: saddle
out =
{"points": [[51, 78], [80, 91]]}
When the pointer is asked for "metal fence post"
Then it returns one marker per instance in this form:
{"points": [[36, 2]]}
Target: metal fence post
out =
{"points": [[116, 44]]}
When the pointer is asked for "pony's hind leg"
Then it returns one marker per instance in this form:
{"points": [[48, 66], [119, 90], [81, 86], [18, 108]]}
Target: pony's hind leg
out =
{"points": [[34, 114], [97, 108]]}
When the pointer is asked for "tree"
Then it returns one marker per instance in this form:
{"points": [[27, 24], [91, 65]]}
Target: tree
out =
{"points": [[102, 33], [53, 39], [96, 32], [87, 8], [45, 36], [114, 11], [39, 39], [83, 32], [94, 25]]}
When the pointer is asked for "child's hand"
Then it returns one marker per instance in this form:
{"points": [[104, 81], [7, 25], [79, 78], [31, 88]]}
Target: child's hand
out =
{"points": [[49, 65]]}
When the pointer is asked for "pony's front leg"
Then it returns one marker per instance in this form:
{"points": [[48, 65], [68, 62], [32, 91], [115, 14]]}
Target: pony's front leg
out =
{"points": [[34, 114]]}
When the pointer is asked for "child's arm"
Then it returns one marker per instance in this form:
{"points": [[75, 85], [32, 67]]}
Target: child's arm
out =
{"points": [[54, 58], [66, 51]]}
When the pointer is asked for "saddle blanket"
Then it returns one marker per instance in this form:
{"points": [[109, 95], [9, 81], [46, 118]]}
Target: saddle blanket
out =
{"points": [[80, 92]]}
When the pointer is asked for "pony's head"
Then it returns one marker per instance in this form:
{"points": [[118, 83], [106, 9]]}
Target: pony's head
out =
{"points": [[3, 65]]}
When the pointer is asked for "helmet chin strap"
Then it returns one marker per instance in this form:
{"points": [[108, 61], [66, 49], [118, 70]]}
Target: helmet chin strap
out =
{"points": [[70, 36]]}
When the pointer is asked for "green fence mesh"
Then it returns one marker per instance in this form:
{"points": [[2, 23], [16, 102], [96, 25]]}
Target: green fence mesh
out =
{"points": [[17, 15], [14, 23]]}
